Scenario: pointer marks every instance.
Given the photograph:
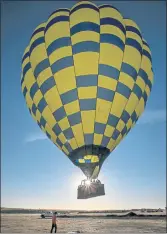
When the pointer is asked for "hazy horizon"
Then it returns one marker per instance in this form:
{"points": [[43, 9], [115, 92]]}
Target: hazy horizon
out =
{"points": [[66, 209]]}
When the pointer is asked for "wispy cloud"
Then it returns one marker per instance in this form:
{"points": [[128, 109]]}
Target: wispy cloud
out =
{"points": [[36, 137], [152, 117]]}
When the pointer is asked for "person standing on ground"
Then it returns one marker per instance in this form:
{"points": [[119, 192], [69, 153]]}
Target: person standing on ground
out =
{"points": [[54, 224]]}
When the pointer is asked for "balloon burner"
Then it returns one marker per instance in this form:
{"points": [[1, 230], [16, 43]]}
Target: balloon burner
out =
{"points": [[90, 188]]}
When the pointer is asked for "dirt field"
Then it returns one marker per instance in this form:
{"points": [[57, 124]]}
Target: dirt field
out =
{"points": [[14, 223]]}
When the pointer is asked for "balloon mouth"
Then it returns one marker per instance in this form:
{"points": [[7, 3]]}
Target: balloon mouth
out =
{"points": [[91, 171], [89, 159]]}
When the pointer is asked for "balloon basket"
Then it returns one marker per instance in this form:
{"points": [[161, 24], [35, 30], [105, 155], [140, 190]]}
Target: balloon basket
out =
{"points": [[90, 189]]}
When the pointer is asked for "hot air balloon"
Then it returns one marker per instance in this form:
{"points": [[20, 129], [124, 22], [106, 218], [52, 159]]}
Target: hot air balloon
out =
{"points": [[86, 77]]}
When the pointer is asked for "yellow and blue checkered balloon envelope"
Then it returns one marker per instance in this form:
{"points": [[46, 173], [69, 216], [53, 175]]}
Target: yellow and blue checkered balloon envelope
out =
{"points": [[86, 77]]}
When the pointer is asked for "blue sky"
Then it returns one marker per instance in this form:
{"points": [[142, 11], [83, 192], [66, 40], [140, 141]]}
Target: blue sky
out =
{"points": [[35, 174]]}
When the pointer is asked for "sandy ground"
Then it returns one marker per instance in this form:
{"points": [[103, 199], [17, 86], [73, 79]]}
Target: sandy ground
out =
{"points": [[18, 223]]}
